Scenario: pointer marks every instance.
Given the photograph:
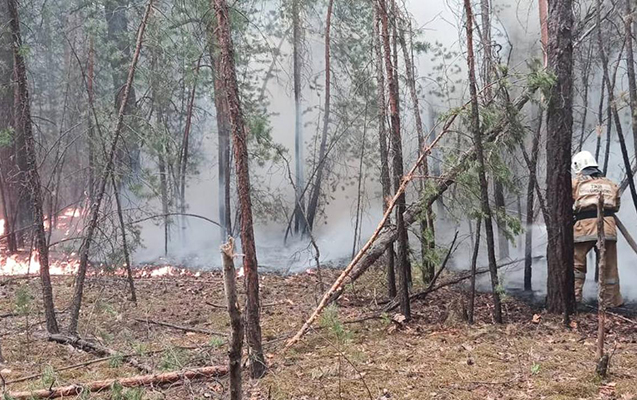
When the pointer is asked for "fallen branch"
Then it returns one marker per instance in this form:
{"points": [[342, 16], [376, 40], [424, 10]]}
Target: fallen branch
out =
{"points": [[135, 381], [181, 328], [97, 349]]}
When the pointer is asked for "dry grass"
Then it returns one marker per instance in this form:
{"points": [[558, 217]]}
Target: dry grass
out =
{"points": [[423, 359]]}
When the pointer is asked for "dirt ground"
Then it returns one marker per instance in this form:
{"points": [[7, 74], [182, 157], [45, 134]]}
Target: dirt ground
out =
{"points": [[532, 356]]}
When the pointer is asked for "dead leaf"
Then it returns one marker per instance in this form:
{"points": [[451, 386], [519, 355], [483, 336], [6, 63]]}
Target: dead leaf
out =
{"points": [[536, 318], [399, 318]]}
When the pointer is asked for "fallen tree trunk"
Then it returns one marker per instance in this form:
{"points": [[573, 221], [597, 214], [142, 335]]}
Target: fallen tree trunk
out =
{"points": [[384, 236], [97, 349], [179, 327], [135, 381]]}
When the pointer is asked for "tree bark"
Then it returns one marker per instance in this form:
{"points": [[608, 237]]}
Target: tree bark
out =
{"points": [[108, 170], [23, 119], [484, 188], [385, 179], [135, 381], [236, 339], [530, 205], [300, 223], [613, 107], [397, 164], [312, 207], [240, 140], [559, 127], [122, 225], [474, 261], [427, 228], [223, 134], [630, 67]]}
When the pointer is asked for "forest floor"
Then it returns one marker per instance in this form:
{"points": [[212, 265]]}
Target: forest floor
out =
{"points": [[532, 356]]}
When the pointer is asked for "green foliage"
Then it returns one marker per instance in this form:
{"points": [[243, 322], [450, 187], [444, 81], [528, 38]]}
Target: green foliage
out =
{"points": [[535, 368], [540, 78], [48, 376], [216, 342], [116, 360], [331, 322], [6, 136], [140, 348], [24, 300], [173, 358]]}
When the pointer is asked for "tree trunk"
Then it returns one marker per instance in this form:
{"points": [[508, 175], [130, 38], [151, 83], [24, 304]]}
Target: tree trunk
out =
{"points": [[613, 108], [122, 224], [484, 188], [183, 157], [630, 67], [223, 134], [397, 164], [90, 83], [240, 140], [236, 339], [385, 179], [312, 207], [117, 33], [300, 224], [559, 127], [427, 228], [600, 120], [544, 29], [23, 119], [585, 82], [530, 205], [474, 261], [106, 174]]}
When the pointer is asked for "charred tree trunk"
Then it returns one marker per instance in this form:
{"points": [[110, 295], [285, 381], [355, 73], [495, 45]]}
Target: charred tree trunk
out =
{"points": [[300, 223], [240, 140], [530, 205], [234, 311], [106, 174], [484, 188], [385, 179], [559, 117], [312, 207], [474, 261], [397, 164], [23, 122]]}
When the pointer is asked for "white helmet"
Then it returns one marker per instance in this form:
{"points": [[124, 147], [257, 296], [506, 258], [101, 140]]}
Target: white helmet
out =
{"points": [[582, 160]]}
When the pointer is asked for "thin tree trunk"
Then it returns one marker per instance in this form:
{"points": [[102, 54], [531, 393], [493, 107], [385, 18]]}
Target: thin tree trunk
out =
{"points": [[427, 228], [234, 311], [240, 140], [122, 224], [223, 134], [601, 303], [474, 261], [299, 145], [585, 82], [559, 127], [359, 193], [385, 179], [484, 188], [530, 205], [23, 118], [615, 113], [163, 186], [544, 29], [630, 67], [183, 159], [312, 207], [600, 120], [90, 71], [95, 206], [397, 163]]}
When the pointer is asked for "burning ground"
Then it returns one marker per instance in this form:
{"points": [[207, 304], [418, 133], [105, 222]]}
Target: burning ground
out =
{"points": [[348, 355]]}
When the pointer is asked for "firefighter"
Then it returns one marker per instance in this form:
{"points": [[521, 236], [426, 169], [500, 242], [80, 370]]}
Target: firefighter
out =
{"points": [[588, 183]]}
